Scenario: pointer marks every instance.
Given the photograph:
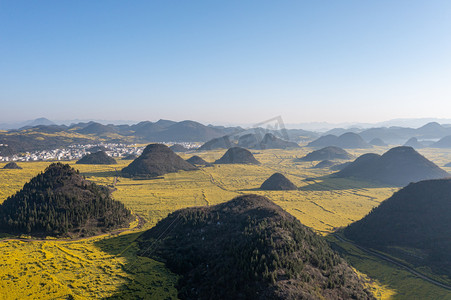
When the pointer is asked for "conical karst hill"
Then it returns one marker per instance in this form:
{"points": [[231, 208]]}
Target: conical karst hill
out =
{"points": [[398, 166], [249, 248], [97, 158], [197, 160], [12, 166], [60, 202], [156, 160], [416, 218], [237, 155], [278, 182], [326, 153]]}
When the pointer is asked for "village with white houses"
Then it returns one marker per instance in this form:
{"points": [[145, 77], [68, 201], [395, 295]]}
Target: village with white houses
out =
{"points": [[75, 152]]}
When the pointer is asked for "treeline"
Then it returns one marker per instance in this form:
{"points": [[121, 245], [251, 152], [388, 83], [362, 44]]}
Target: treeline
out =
{"points": [[59, 201]]}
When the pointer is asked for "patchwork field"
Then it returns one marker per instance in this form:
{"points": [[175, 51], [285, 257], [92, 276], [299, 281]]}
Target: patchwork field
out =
{"points": [[108, 267]]}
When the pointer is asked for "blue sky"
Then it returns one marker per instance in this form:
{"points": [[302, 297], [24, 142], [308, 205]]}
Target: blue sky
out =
{"points": [[225, 62]]}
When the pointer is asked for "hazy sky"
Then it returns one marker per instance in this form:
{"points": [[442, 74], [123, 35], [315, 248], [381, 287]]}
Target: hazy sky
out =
{"points": [[225, 61]]}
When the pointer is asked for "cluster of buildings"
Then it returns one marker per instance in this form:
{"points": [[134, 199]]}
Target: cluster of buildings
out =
{"points": [[187, 145], [75, 152]]}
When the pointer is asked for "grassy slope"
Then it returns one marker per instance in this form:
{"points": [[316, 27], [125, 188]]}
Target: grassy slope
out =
{"points": [[400, 284], [107, 266]]}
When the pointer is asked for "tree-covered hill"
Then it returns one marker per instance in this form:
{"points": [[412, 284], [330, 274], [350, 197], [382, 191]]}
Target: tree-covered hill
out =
{"points": [[278, 182], [414, 224], [398, 166], [249, 248], [60, 202], [237, 155], [330, 152], [156, 160], [97, 158]]}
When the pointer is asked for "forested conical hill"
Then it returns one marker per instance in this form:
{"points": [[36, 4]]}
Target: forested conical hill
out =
{"points": [[237, 155], [417, 219], [377, 142], [414, 143], [249, 248], [348, 140], [278, 182], [12, 166], [217, 143], [60, 202], [179, 148], [330, 152], [398, 166], [197, 160], [156, 160], [270, 141], [97, 158]]}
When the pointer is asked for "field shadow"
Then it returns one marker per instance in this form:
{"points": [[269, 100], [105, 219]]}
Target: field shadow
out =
{"points": [[119, 175], [250, 190], [146, 278], [117, 244], [101, 174], [388, 272], [327, 183], [357, 259]]}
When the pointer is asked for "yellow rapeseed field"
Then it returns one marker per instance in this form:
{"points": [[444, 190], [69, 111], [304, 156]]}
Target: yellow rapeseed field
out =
{"points": [[108, 266]]}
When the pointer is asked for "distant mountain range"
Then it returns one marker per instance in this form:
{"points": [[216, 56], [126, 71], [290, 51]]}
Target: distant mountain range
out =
{"points": [[46, 135], [399, 135], [43, 134], [45, 121], [162, 130], [427, 134], [30, 123], [406, 122], [319, 127]]}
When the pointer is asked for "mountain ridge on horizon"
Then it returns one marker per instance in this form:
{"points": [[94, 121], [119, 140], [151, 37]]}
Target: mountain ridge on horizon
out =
{"points": [[193, 131], [316, 126]]}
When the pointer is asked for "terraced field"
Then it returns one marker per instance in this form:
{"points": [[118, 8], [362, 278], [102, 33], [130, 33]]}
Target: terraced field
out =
{"points": [[108, 267]]}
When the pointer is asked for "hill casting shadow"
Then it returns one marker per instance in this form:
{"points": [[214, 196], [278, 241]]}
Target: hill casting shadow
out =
{"points": [[147, 279]]}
